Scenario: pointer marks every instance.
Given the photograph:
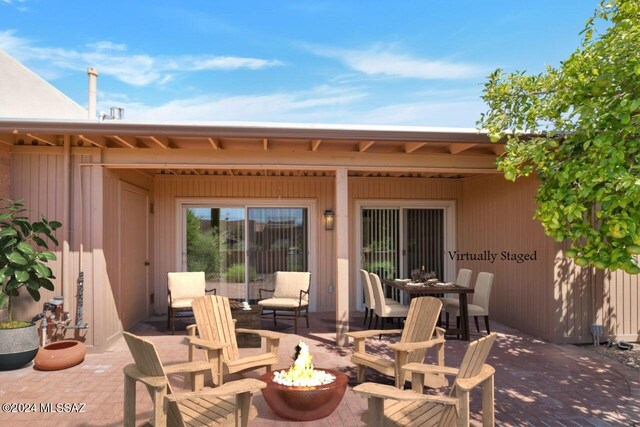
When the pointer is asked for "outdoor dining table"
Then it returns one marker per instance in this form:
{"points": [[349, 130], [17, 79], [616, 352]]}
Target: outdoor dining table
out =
{"points": [[413, 290]]}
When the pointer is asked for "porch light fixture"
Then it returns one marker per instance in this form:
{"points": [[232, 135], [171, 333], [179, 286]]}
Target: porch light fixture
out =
{"points": [[329, 216]]}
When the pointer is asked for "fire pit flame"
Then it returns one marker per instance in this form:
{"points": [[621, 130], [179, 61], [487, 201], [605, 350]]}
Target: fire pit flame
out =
{"points": [[301, 373]]}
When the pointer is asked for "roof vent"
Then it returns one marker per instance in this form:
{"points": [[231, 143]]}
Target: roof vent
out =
{"points": [[117, 113]]}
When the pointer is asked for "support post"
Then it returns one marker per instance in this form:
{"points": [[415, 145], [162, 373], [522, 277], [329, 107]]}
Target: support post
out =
{"points": [[66, 223], [342, 256]]}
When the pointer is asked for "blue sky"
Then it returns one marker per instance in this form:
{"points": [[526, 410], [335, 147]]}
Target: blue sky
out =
{"points": [[375, 62]]}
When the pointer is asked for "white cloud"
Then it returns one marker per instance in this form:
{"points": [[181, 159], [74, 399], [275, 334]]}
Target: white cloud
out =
{"points": [[306, 106], [383, 60], [114, 60], [319, 105]]}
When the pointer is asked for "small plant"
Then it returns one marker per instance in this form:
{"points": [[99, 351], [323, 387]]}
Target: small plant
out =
{"points": [[235, 274], [24, 253]]}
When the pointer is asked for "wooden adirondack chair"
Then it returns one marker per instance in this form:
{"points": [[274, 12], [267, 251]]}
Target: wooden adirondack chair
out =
{"points": [[226, 405], [417, 336], [411, 407], [215, 332]]}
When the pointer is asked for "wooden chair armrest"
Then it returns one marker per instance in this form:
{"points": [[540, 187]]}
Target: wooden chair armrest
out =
{"points": [[210, 345], [248, 385], [266, 290], [262, 333], [199, 366], [440, 332], [411, 346], [423, 368], [389, 392], [156, 382], [192, 330], [467, 384], [372, 333]]}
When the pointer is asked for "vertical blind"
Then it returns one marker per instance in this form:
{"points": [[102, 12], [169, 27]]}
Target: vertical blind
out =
{"points": [[424, 229], [381, 242]]}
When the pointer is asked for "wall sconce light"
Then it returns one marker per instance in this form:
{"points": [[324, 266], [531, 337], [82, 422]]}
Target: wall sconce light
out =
{"points": [[329, 217]]}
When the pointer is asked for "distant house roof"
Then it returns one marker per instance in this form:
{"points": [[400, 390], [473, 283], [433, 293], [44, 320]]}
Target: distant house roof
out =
{"points": [[24, 94]]}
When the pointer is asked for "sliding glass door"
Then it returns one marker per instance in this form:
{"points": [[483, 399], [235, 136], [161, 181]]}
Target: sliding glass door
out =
{"points": [[239, 248], [395, 241]]}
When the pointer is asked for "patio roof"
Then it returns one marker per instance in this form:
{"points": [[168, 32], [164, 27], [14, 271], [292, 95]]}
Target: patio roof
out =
{"points": [[276, 148]]}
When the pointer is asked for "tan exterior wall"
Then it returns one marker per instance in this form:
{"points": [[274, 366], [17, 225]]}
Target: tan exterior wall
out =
{"points": [[5, 190], [617, 304], [497, 215], [38, 178]]}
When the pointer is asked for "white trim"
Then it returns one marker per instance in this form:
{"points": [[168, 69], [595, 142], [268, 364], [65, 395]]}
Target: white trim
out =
{"points": [[309, 204], [449, 208]]}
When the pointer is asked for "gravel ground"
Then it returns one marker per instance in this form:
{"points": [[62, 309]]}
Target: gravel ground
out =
{"points": [[630, 358]]}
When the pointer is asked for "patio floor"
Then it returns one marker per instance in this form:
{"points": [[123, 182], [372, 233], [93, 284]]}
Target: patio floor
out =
{"points": [[537, 383]]}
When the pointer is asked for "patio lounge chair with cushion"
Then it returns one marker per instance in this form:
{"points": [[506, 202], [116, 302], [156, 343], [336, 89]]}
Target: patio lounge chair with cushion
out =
{"points": [[479, 304], [290, 294], [411, 407], [369, 301], [215, 333], [417, 336], [226, 405], [183, 287]]}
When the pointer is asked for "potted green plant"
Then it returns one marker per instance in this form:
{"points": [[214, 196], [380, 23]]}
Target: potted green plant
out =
{"points": [[24, 253]]}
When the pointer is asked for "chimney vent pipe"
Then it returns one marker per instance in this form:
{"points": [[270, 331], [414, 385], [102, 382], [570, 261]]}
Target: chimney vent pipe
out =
{"points": [[93, 83]]}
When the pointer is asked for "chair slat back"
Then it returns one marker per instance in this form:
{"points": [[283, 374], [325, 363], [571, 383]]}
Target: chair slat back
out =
{"points": [[366, 285], [213, 319], [420, 324], [464, 277], [474, 358], [378, 294], [482, 290], [145, 356]]}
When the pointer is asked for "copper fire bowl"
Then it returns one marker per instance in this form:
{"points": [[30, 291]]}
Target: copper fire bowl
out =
{"points": [[304, 403]]}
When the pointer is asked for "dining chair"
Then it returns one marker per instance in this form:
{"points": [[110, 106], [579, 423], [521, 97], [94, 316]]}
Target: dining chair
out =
{"points": [[479, 304], [381, 309], [463, 279], [369, 301]]}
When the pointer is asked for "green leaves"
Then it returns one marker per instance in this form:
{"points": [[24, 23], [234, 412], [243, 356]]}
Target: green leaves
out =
{"points": [[22, 262], [577, 127]]}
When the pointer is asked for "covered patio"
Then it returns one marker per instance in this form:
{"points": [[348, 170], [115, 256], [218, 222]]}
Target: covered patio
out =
{"points": [[536, 383]]}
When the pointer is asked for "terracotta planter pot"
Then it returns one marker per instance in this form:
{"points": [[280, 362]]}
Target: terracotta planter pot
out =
{"points": [[304, 403], [60, 355], [18, 347]]}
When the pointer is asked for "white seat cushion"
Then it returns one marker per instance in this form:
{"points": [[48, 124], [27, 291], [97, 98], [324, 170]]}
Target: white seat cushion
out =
{"points": [[181, 303], [288, 284], [474, 310], [391, 301], [396, 310], [282, 303], [450, 301]]}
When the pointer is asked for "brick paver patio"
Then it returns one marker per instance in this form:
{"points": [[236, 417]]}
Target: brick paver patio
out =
{"points": [[537, 383]]}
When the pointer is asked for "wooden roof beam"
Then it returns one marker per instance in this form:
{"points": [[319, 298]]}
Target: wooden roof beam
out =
{"points": [[315, 144], [214, 143], [459, 148], [160, 141], [95, 141], [265, 144], [410, 147], [364, 145], [127, 141], [6, 139], [43, 139]]}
